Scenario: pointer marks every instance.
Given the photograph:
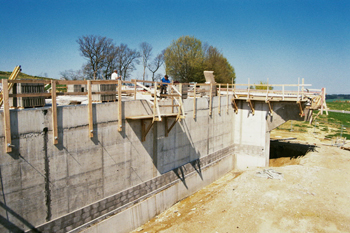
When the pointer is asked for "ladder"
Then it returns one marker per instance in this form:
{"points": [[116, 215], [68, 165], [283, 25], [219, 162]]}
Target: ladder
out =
{"points": [[13, 76]]}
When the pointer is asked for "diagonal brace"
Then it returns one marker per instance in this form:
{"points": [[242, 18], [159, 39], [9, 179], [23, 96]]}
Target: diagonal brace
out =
{"points": [[167, 130], [301, 109], [145, 129], [234, 105], [270, 107], [251, 105]]}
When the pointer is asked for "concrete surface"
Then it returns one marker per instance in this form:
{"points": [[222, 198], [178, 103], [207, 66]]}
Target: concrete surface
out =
{"points": [[57, 188]]}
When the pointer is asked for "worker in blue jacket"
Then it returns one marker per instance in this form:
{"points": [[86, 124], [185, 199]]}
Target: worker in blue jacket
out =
{"points": [[164, 85]]}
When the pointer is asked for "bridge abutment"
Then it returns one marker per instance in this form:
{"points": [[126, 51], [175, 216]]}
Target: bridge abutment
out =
{"points": [[82, 181]]}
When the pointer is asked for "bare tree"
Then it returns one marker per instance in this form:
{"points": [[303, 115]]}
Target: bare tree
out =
{"points": [[125, 60], [72, 75], [95, 49], [156, 64], [87, 71], [146, 52], [110, 61]]}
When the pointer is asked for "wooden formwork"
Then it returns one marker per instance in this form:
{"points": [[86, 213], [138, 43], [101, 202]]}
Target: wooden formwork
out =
{"points": [[176, 95]]}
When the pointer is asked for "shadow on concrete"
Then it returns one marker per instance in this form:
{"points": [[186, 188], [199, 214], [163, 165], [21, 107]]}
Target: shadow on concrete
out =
{"points": [[179, 172], [14, 134], [172, 152], [60, 130], [12, 227], [94, 139], [196, 164], [290, 150]]}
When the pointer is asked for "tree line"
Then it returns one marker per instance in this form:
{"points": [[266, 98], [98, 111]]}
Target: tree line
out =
{"points": [[184, 59]]}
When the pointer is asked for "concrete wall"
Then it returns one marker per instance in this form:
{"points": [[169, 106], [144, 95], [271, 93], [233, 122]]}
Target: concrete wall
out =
{"points": [[57, 188]]}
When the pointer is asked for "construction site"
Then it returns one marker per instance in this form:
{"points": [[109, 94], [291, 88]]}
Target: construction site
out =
{"points": [[111, 155]]}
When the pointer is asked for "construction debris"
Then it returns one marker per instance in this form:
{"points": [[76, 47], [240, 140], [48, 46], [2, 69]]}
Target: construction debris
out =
{"points": [[270, 174]]}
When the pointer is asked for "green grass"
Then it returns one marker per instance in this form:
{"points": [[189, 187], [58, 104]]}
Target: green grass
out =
{"points": [[344, 135], [334, 118], [59, 88], [339, 105], [331, 125], [5, 74]]}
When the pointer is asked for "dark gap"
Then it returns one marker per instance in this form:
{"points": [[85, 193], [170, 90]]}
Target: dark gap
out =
{"points": [[290, 150], [47, 176]]}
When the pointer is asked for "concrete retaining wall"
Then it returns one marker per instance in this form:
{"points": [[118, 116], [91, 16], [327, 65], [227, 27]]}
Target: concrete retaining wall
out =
{"points": [[57, 188]]}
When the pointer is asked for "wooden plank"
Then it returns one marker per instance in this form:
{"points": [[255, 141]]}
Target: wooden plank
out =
{"points": [[301, 109], [169, 105], [145, 129], [91, 122], [13, 76], [219, 107], [30, 81], [210, 99], [227, 99], [31, 95], [144, 87], [105, 81], [7, 120], [194, 102], [72, 93], [74, 82], [251, 105], [235, 105], [139, 117], [270, 107], [120, 114], [167, 130], [170, 95], [104, 92], [135, 91], [54, 112]]}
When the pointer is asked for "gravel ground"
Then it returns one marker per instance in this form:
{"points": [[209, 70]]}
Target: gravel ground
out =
{"points": [[313, 196]]}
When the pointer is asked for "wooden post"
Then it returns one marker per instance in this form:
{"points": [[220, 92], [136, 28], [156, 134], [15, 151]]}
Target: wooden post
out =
{"points": [[298, 90], [248, 97], [227, 98], [219, 98], [154, 101], [267, 90], [7, 122], [180, 98], [135, 89], [91, 122], [54, 112], [302, 88], [211, 98], [194, 100], [120, 115], [172, 99]]}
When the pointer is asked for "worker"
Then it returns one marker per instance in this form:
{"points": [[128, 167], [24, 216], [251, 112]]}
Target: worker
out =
{"points": [[114, 75], [164, 86]]}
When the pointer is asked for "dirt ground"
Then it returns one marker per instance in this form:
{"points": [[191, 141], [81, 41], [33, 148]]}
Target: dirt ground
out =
{"points": [[313, 196]]}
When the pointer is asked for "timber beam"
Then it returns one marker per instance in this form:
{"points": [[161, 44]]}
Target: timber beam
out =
{"points": [[270, 106], [145, 129], [234, 105], [251, 105], [301, 109]]}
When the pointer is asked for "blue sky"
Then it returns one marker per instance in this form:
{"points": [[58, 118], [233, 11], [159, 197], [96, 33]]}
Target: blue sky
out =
{"points": [[279, 40]]}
